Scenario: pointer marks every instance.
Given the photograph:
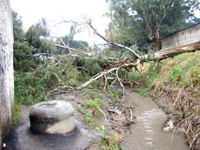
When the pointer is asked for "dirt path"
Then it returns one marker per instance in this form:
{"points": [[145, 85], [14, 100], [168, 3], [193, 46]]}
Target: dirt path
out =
{"points": [[22, 138]]}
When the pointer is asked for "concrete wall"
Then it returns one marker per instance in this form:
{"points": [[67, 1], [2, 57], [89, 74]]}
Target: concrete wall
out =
{"points": [[183, 37], [6, 70]]}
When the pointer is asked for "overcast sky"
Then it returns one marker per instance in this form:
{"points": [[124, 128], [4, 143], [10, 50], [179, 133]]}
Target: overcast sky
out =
{"points": [[33, 10]]}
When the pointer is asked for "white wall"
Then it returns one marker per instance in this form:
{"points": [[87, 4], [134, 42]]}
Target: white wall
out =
{"points": [[186, 36]]}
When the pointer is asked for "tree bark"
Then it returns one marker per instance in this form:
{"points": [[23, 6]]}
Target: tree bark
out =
{"points": [[156, 41], [6, 70], [164, 54]]}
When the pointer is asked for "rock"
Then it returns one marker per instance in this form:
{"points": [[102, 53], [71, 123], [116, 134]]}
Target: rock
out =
{"points": [[52, 117]]}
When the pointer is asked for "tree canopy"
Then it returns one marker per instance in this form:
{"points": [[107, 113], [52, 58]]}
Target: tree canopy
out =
{"points": [[18, 31], [37, 37], [142, 21]]}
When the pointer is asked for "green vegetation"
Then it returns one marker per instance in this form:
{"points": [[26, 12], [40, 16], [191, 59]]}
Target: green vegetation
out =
{"points": [[35, 86], [37, 77], [108, 143], [174, 76], [175, 86], [144, 91], [143, 22], [16, 112], [146, 77], [94, 105], [68, 39], [91, 109]]}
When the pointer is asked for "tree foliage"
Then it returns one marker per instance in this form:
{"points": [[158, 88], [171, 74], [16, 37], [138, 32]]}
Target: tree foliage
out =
{"points": [[36, 36], [72, 43], [68, 39], [21, 59], [18, 31], [148, 20]]}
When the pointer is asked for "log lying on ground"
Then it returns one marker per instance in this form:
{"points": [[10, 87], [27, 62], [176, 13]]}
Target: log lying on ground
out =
{"points": [[160, 55], [164, 54]]}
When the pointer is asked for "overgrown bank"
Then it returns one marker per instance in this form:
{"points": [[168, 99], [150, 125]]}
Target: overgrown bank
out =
{"points": [[175, 86]]}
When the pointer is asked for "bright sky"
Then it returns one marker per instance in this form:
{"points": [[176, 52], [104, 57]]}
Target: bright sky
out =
{"points": [[33, 10], [53, 10]]}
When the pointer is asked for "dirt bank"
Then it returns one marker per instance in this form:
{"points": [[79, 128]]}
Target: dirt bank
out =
{"points": [[175, 86], [183, 110]]}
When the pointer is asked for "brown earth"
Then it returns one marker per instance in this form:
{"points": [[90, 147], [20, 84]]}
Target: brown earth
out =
{"points": [[115, 122]]}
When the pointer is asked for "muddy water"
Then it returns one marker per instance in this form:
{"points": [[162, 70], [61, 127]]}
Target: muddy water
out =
{"points": [[147, 133]]}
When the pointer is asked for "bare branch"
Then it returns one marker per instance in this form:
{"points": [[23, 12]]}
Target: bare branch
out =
{"points": [[58, 79], [111, 42], [120, 84], [72, 49], [97, 76]]}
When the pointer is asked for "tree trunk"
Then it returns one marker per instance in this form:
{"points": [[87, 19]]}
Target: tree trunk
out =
{"points": [[6, 70], [164, 54], [156, 41]]}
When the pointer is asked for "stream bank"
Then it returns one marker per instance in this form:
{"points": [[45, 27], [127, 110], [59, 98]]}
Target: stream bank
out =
{"points": [[114, 121]]}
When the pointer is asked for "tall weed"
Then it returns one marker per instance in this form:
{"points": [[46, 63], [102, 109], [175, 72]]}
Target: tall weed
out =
{"points": [[175, 75]]}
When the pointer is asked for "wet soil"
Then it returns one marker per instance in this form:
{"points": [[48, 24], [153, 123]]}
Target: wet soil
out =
{"points": [[23, 138], [117, 121], [82, 138]]}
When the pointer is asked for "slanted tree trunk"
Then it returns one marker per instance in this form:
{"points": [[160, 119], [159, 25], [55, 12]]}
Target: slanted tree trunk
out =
{"points": [[6, 70]]}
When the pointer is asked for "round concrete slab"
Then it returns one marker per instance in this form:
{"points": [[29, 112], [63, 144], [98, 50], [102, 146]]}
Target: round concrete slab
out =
{"points": [[52, 117]]}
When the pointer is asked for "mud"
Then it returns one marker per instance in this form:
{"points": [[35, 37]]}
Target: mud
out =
{"points": [[23, 138], [116, 122]]}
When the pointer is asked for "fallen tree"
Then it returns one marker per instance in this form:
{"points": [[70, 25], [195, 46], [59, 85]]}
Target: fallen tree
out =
{"points": [[116, 65]]}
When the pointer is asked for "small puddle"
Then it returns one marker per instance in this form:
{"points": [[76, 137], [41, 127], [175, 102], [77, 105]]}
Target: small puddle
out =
{"points": [[146, 132]]}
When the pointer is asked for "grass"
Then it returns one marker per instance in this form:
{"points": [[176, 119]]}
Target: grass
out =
{"points": [[16, 113], [108, 143], [180, 65], [90, 109], [178, 71], [146, 77], [175, 75], [92, 104], [144, 91]]}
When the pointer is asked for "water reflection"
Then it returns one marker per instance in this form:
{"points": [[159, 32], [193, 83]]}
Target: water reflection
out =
{"points": [[147, 133]]}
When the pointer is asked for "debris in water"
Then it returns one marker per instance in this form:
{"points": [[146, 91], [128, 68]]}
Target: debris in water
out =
{"points": [[170, 127], [4, 144]]}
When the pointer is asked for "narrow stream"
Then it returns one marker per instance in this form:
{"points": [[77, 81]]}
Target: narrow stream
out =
{"points": [[146, 132]]}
